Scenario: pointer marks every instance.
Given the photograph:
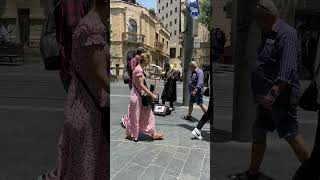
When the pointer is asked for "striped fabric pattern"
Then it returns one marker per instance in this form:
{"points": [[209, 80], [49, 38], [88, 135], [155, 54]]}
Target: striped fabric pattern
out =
{"points": [[279, 60]]}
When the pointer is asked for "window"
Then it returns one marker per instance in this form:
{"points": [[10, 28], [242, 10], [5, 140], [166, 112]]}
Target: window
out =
{"points": [[171, 2], [172, 52], [170, 23], [166, 15], [159, 1], [132, 26], [167, 44], [162, 18], [175, 10], [167, 5], [157, 37], [170, 13], [175, 32], [159, 10], [175, 21], [166, 25], [162, 40], [171, 34], [162, 8]]}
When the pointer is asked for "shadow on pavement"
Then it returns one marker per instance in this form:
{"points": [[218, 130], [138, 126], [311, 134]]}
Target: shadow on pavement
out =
{"points": [[221, 136], [262, 177]]}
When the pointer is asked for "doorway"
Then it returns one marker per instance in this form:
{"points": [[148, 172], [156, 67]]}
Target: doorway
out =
{"points": [[24, 26], [117, 69]]}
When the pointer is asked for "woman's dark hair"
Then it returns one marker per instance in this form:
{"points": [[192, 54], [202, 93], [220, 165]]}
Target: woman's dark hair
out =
{"points": [[222, 40]]}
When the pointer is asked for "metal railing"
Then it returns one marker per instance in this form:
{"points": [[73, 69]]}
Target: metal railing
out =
{"points": [[132, 37]]}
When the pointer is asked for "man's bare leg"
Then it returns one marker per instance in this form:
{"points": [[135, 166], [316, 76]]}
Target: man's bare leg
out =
{"points": [[298, 145]]}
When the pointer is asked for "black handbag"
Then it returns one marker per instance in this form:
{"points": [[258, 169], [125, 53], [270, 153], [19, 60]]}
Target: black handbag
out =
{"points": [[105, 111], [145, 99], [308, 100]]}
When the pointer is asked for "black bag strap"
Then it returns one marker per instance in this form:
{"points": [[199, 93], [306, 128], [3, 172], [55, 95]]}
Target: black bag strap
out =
{"points": [[87, 89]]}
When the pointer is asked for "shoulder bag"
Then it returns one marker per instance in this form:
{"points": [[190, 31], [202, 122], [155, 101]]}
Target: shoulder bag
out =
{"points": [[308, 100]]}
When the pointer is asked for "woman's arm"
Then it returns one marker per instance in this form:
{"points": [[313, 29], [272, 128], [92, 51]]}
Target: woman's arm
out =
{"points": [[144, 88]]}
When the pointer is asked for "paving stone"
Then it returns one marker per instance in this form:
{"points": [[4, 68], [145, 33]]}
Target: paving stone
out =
{"points": [[131, 171], [145, 157], [152, 173], [175, 167], [206, 166], [194, 163], [181, 156], [183, 150], [163, 159], [168, 177], [188, 177], [205, 176]]}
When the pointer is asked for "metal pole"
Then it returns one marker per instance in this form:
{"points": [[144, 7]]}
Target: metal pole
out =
{"points": [[188, 49], [245, 39]]}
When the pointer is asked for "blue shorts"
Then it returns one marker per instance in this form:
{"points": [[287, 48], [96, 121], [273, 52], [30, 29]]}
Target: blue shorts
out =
{"points": [[282, 118], [196, 99]]}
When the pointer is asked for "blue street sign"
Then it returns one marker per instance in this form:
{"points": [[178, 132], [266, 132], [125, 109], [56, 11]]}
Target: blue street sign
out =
{"points": [[194, 8]]}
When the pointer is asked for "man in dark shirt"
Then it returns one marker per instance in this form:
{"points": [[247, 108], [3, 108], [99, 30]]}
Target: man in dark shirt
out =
{"points": [[275, 86]]}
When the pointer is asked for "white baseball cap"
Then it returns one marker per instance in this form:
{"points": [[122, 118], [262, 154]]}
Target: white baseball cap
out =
{"points": [[268, 6]]}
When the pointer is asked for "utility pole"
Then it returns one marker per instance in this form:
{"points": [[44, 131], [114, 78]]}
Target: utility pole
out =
{"points": [[188, 49], [245, 40]]}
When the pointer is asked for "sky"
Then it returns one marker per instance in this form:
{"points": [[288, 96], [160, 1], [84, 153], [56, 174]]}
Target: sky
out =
{"points": [[148, 3]]}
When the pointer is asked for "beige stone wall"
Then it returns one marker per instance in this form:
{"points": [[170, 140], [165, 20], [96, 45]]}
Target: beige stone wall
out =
{"points": [[37, 17]]}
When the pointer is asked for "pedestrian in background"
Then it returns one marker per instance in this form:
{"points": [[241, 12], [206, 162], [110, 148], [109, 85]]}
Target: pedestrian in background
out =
{"points": [[204, 119], [140, 118], [67, 17], [170, 87], [83, 149], [309, 170], [131, 65], [275, 86], [196, 89]]}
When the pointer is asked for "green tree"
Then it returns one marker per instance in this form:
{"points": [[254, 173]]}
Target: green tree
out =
{"points": [[204, 17], [152, 11]]}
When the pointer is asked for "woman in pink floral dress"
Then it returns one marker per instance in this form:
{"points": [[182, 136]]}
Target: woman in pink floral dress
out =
{"points": [[83, 149], [140, 118]]}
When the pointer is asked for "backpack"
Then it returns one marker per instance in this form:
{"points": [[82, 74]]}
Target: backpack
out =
{"points": [[49, 47]]}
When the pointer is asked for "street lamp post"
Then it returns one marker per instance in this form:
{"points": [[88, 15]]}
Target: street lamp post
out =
{"points": [[188, 49]]}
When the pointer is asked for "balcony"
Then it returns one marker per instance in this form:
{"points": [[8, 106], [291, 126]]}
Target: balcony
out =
{"points": [[158, 46], [132, 37]]}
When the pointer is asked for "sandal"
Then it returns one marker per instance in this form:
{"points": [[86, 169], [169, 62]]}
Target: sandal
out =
{"points": [[131, 138], [189, 118], [157, 136]]}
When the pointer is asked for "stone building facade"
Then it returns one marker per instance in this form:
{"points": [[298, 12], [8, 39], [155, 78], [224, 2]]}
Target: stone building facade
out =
{"points": [[132, 26], [24, 20]]}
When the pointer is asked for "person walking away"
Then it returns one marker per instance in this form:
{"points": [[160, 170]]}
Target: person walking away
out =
{"points": [[196, 89], [310, 168], [204, 119], [170, 87], [131, 65], [275, 86], [220, 41], [83, 149], [67, 18], [140, 118], [3, 33], [309, 51]]}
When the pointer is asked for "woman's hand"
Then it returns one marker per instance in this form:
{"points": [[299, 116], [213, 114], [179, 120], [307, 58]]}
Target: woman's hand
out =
{"points": [[154, 97]]}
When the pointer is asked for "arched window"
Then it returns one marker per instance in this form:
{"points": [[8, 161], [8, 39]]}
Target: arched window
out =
{"points": [[132, 26]]}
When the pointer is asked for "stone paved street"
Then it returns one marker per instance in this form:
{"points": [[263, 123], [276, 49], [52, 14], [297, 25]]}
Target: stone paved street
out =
{"points": [[178, 157]]}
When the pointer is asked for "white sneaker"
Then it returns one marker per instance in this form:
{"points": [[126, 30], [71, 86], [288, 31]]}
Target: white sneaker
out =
{"points": [[197, 133], [123, 123]]}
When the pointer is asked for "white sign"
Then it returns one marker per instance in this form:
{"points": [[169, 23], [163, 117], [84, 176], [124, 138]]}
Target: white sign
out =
{"points": [[196, 43]]}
